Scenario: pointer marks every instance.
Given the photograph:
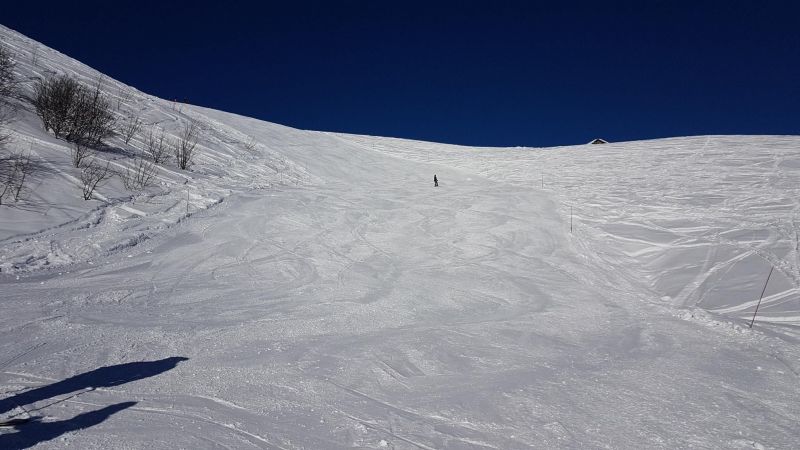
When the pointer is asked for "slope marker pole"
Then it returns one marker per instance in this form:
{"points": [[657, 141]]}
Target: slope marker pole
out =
{"points": [[762, 296]]}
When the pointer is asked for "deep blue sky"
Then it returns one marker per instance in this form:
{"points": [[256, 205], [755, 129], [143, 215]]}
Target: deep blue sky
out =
{"points": [[478, 73]]}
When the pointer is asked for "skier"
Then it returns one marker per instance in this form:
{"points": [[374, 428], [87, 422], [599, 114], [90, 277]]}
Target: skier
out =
{"points": [[435, 181]]}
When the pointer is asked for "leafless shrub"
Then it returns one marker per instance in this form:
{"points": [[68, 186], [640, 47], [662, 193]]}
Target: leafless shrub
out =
{"points": [[54, 100], [187, 143], [130, 126], [93, 119], [157, 145], [123, 96], [8, 177], [6, 115], [8, 85], [80, 152], [15, 170], [25, 168], [74, 111], [139, 174], [8, 92], [92, 176]]}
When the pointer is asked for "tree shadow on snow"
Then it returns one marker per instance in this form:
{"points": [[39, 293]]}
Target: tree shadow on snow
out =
{"points": [[34, 431], [115, 151], [36, 173]]}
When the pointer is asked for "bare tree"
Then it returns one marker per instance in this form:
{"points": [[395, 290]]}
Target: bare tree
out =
{"points": [[9, 169], [187, 143], [8, 176], [15, 169], [6, 115], [5, 135], [80, 152], [139, 174], [74, 111], [93, 119], [8, 92], [156, 143], [16, 166], [92, 176], [130, 127], [123, 96], [8, 85], [55, 100], [25, 167]]}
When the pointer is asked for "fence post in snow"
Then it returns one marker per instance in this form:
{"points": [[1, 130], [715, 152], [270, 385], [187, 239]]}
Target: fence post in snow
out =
{"points": [[762, 296]]}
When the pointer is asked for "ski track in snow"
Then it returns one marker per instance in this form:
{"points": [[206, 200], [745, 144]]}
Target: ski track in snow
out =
{"points": [[327, 296]]}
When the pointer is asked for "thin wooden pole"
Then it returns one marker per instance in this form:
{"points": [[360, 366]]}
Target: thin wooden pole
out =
{"points": [[570, 218], [762, 296]]}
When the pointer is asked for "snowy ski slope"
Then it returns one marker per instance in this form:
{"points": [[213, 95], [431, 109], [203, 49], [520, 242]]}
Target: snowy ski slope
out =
{"points": [[321, 294], [697, 221]]}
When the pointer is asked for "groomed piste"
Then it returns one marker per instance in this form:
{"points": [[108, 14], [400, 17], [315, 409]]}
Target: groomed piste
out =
{"points": [[304, 289]]}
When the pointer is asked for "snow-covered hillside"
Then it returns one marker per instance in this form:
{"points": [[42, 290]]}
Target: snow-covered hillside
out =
{"points": [[228, 160], [321, 293], [696, 221]]}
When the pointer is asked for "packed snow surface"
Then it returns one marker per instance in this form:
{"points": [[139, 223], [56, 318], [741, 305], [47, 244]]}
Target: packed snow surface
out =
{"points": [[316, 291]]}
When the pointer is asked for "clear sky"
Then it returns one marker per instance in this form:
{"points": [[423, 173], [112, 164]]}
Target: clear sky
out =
{"points": [[499, 73]]}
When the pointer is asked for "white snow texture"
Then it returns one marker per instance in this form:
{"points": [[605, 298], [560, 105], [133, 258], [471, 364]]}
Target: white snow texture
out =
{"points": [[327, 296]]}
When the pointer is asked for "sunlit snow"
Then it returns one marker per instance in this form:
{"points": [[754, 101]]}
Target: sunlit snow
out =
{"points": [[316, 291]]}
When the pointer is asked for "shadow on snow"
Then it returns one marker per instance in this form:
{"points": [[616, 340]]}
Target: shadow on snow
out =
{"points": [[33, 431]]}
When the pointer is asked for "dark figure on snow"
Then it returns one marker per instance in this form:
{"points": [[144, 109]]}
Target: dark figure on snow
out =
{"points": [[435, 181]]}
